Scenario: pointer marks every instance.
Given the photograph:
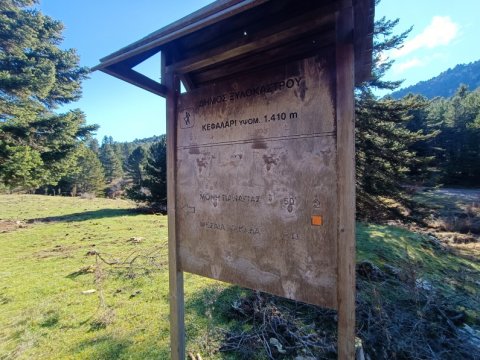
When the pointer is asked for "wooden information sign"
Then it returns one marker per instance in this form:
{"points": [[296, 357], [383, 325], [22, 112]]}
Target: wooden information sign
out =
{"points": [[256, 181], [260, 148]]}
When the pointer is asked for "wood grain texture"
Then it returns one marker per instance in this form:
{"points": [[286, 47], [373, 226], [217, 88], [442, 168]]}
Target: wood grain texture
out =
{"points": [[222, 24], [256, 159], [264, 60], [137, 79], [273, 36], [183, 28], [176, 288], [346, 182]]}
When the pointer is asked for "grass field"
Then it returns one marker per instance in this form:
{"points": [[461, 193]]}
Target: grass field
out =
{"points": [[56, 250], [45, 269]]}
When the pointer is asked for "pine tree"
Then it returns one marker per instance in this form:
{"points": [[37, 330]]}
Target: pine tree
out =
{"points": [[50, 139], [111, 163], [156, 173], [384, 144], [93, 145], [32, 66], [35, 77], [87, 175], [458, 146], [135, 168], [135, 165], [21, 166]]}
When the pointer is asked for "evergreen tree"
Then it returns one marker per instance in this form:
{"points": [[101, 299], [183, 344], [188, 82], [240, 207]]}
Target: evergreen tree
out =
{"points": [[156, 173], [87, 176], [20, 167], [384, 152], [135, 165], [457, 120], [135, 168], [32, 66], [111, 163], [51, 141], [35, 77], [423, 169], [93, 145]]}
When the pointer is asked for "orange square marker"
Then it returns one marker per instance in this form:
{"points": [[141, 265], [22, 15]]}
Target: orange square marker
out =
{"points": [[317, 220]]}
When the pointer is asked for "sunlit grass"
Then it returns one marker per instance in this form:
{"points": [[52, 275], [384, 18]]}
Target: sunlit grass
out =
{"points": [[45, 267], [43, 313]]}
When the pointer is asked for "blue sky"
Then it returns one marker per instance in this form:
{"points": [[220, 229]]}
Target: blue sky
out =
{"points": [[445, 33]]}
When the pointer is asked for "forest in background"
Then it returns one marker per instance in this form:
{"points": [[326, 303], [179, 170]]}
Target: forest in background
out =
{"points": [[400, 143], [82, 278]]}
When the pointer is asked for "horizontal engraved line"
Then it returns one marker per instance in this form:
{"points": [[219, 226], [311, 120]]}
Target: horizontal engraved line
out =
{"points": [[251, 141]]}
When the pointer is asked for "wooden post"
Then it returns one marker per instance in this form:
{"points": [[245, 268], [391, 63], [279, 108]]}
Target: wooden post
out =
{"points": [[177, 324], [346, 181]]}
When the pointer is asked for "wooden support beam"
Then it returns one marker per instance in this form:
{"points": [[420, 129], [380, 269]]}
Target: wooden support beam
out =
{"points": [[346, 182], [289, 31], [177, 317], [135, 78], [187, 82], [266, 59], [364, 14], [164, 36], [177, 25]]}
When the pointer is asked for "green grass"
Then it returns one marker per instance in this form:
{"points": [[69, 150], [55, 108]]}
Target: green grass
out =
{"points": [[453, 274], [44, 269], [43, 313], [452, 210]]}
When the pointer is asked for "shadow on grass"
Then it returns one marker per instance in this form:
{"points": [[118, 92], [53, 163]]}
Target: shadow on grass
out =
{"points": [[415, 253], [110, 347], [453, 210], [221, 300], [52, 318], [88, 215], [105, 347]]}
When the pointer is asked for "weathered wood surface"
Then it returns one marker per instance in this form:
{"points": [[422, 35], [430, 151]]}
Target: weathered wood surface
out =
{"points": [[346, 182], [198, 39], [137, 79], [249, 42], [256, 160], [211, 14], [307, 47], [176, 290]]}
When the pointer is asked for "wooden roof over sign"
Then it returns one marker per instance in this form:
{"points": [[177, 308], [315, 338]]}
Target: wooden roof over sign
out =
{"points": [[228, 37]]}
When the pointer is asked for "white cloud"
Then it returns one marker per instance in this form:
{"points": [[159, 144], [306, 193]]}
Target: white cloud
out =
{"points": [[441, 31], [401, 67]]}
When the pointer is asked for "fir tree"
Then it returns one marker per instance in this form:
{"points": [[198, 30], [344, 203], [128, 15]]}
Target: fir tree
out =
{"points": [[35, 77], [111, 163], [86, 176], [458, 145], [135, 165], [156, 173], [384, 153]]}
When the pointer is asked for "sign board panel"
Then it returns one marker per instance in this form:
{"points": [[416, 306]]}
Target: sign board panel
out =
{"points": [[256, 186]]}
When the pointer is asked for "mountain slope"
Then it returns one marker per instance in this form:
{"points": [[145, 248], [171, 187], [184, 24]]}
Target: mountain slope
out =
{"points": [[446, 83]]}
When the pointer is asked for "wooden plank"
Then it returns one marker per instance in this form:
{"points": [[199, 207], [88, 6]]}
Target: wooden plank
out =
{"points": [[188, 29], [266, 59], [135, 78], [177, 313], [346, 182], [256, 162], [364, 12], [187, 82], [176, 25], [274, 36], [264, 18]]}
